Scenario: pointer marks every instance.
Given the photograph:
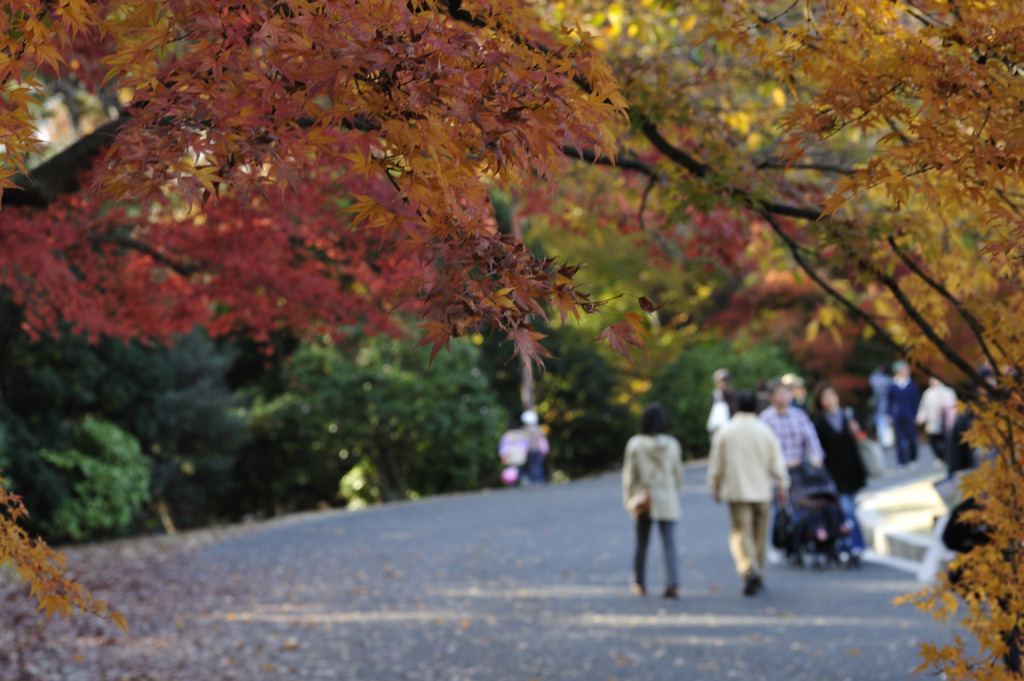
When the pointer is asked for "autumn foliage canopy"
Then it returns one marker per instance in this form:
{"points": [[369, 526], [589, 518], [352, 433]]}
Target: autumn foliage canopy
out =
{"points": [[309, 165], [247, 139]]}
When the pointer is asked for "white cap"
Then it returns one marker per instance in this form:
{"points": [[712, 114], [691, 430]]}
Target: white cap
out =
{"points": [[529, 417]]}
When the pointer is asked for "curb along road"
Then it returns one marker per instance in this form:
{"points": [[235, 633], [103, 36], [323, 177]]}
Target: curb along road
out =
{"points": [[898, 512]]}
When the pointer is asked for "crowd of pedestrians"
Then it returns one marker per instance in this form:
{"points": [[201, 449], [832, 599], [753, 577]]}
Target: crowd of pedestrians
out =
{"points": [[788, 466], [765, 442]]}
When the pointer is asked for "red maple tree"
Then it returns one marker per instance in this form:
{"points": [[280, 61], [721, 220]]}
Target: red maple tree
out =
{"points": [[299, 164], [267, 164]]}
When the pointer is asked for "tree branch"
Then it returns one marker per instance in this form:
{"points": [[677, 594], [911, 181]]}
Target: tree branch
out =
{"points": [[970, 319], [124, 241], [59, 175], [775, 164], [702, 170], [623, 162], [918, 319], [673, 153], [795, 250], [769, 210]]}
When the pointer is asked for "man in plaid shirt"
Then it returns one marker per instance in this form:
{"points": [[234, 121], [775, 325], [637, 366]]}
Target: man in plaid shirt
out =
{"points": [[793, 427]]}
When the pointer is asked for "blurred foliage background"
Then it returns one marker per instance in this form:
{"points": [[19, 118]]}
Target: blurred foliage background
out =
{"points": [[109, 439], [106, 438]]}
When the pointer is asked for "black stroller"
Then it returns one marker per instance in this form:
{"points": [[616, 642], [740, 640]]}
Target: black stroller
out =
{"points": [[812, 524]]}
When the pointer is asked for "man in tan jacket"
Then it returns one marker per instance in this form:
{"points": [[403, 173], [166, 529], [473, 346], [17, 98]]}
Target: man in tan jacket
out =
{"points": [[746, 460]]}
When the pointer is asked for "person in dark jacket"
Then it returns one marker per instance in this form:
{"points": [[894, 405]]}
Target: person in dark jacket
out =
{"points": [[838, 434], [903, 399], [959, 453]]}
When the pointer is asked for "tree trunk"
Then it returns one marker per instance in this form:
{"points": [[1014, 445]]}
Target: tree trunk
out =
{"points": [[391, 478]]}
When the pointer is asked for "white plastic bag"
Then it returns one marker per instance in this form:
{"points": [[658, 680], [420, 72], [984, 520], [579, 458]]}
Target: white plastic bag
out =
{"points": [[873, 457], [887, 438]]}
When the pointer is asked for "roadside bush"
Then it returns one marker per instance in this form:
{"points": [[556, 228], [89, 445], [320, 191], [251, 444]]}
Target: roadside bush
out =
{"points": [[359, 487], [174, 401], [412, 429], [108, 481]]}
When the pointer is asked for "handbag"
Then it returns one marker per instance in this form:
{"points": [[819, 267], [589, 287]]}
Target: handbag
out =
{"points": [[873, 457], [782, 526], [639, 503]]}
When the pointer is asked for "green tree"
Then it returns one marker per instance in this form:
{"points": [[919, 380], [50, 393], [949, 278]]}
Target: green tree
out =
{"points": [[372, 405], [197, 432], [174, 400]]}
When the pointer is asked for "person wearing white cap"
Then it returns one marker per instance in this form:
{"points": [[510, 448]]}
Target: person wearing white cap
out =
{"points": [[797, 387], [538, 447]]}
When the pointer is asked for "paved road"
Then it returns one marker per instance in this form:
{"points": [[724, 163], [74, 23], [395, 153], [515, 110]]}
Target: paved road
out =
{"points": [[513, 585]]}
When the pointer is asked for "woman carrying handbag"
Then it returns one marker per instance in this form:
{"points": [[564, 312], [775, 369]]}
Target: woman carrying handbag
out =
{"points": [[838, 435], [652, 476]]}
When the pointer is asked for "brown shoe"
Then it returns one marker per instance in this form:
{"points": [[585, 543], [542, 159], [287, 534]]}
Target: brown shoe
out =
{"points": [[671, 592]]}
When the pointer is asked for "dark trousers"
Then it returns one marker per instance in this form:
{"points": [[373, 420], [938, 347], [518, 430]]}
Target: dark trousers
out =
{"points": [[668, 545], [535, 466], [906, 440], [938, 443]]}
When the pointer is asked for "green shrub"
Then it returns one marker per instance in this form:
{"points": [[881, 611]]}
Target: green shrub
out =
{"points": [[174, 400], [411, 429], [359, 487], [108, 479]]}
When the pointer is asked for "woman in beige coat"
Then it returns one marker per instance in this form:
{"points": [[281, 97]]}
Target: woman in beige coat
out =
{"points": [[654, 462]]}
